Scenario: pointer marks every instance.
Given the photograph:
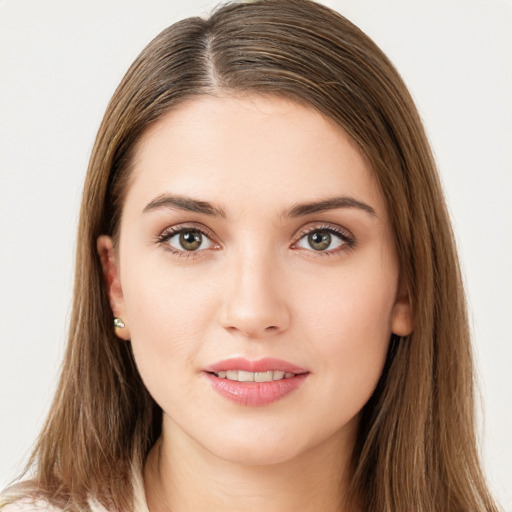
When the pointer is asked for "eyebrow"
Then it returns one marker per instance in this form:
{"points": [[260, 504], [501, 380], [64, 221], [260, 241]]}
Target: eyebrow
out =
{"points": [[333, 203], [178, 202]]}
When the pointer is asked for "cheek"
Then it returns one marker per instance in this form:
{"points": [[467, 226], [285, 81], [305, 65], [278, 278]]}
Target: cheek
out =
{"points": [[163, 299], [168, 319], [353, 309], [350, 328]]}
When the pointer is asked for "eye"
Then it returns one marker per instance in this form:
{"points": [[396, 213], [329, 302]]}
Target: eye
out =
{"points": [[186, 239], [325, 240]]}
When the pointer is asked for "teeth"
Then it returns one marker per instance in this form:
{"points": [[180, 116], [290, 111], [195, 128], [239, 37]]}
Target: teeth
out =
{"points": [[263, 376], [243, 376]]}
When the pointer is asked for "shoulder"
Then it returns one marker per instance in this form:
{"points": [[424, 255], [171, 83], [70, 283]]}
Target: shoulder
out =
{"points": [[17, 499], [27, 505]]}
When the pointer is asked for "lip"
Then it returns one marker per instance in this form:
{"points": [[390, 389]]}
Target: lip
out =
{"points": [[261, 365], [255, 393]]}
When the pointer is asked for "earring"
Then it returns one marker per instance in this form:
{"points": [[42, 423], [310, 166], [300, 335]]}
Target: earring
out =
{"points": [[118, 323]]}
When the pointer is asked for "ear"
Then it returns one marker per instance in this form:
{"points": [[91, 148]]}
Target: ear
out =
{"points": [[401, 322], [111, 275]]}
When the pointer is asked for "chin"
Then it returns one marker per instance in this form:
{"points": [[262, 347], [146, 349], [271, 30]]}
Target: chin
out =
{"points": [[250, 455]]}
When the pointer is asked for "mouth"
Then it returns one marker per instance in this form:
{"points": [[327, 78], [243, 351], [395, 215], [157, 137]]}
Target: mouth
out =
{"points": [[245, 376], [255, 383]]}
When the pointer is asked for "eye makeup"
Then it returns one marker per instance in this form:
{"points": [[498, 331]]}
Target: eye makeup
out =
{"points": [[324, 236], [191, 239]]}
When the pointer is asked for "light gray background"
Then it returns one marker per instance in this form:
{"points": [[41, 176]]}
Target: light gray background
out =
{"points": [[61, 60]]}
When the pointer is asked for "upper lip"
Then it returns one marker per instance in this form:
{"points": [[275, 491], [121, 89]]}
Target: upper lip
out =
{"points": [[261, 365]]}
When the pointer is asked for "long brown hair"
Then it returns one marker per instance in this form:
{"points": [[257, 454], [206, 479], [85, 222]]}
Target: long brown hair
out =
{"points": [[416, 447]]}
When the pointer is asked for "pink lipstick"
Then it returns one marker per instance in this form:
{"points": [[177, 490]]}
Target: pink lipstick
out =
{"points": [[255, 383]]}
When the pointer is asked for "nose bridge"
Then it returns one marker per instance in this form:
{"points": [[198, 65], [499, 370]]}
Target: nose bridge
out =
{"points": [[254, 304]]}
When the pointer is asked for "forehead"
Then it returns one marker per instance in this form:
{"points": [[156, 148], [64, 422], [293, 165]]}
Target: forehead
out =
{"points": [[239, 151]]}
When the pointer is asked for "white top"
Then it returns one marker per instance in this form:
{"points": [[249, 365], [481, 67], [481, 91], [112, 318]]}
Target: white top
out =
{"points": [[28, 505]]}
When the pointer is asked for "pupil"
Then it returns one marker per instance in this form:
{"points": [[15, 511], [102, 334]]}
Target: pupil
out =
{"points": [[319, 240], [190, 240]]}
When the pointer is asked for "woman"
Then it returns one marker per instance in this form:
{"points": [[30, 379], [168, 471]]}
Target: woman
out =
{"points": [[268, 307]]}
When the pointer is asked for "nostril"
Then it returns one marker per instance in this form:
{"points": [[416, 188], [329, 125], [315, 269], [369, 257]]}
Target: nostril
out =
{"points": [[271, 328]]}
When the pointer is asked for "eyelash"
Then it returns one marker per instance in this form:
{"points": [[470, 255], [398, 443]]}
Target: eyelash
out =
{"points": [[169, 233], [347, 238]]}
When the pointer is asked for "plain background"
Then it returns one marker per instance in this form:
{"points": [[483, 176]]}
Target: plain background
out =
{"points": [[60, 62]]}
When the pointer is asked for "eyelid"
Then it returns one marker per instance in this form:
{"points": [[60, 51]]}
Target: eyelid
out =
{"points": [[335, 229], [347, 237], [174, 230]]}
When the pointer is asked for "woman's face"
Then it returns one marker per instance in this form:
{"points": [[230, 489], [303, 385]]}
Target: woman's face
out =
{"points": [[256, 276]]}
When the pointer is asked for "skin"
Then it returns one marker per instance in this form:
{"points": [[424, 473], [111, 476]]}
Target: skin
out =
{"points": [[256, 288]]}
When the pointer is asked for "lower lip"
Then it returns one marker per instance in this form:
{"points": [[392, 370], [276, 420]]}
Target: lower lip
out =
{"points": [[255, 393]]}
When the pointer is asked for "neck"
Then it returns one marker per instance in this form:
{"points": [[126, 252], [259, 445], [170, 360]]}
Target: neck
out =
{"points": [[183, 476]]}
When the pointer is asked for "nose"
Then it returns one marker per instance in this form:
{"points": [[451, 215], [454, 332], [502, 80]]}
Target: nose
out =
{"points": [[255, 303]]}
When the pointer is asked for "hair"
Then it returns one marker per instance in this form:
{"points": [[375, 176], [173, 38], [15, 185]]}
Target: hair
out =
{"points": [[416, 445]]}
